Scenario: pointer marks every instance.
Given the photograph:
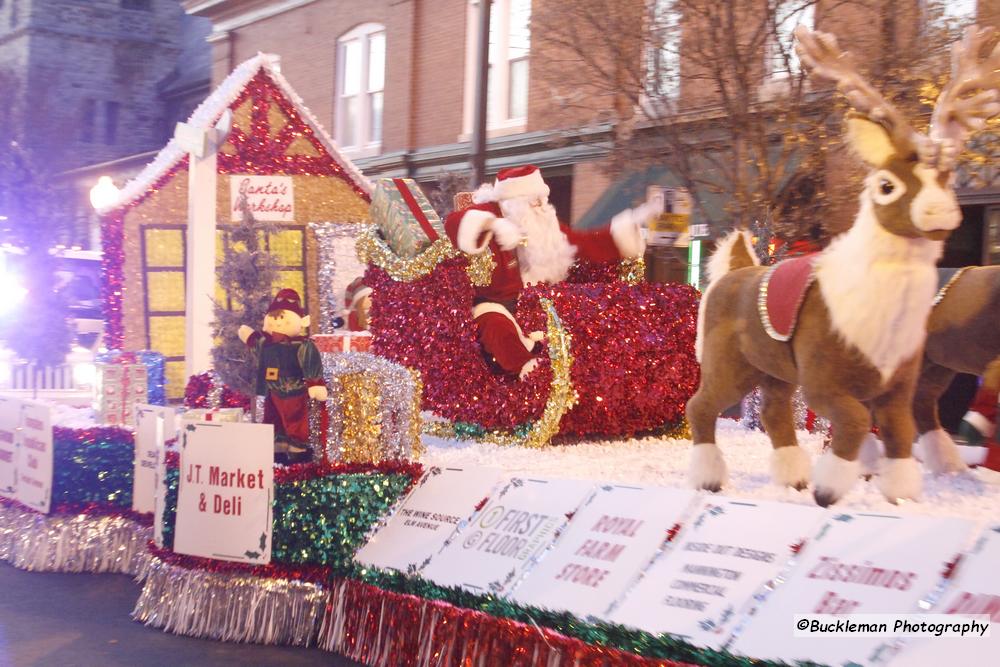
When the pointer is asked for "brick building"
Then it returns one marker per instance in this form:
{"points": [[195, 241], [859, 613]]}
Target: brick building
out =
{"points": [[394, 80]]}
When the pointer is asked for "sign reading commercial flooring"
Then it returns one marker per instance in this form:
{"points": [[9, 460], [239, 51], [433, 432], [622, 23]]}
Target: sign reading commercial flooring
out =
{"points": [[226, 490], [608, 540], [975, 591], [504, 540], [10, 434], [731, 549], [857, 564], [441, 500], [34, 462]]}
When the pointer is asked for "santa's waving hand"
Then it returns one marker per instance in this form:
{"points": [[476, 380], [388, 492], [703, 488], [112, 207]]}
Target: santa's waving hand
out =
{"points": [[514, 219]]}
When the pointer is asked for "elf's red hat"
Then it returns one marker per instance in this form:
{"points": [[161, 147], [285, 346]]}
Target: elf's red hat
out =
{"points": [[287, 299], [356, 291]]}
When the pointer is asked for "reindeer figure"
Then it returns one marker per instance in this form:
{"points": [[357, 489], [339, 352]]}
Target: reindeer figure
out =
{"points": [[963, 336], [860, 331]]}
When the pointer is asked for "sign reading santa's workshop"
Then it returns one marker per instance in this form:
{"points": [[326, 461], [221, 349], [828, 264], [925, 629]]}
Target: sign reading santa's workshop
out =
{"points": [[603, 548], [34, 463], [226, 490], [508, 536], [267, 197], [10, 424], [857, 564]]}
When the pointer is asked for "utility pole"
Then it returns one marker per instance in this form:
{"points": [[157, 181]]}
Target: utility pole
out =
{"points": [[482, 81]]}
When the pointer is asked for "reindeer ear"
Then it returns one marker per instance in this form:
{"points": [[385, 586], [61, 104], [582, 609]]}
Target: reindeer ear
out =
{"points": [[869, 139]]}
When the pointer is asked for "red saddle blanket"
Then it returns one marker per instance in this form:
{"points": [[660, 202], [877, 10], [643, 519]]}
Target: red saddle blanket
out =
{"points": [[781, 293]]}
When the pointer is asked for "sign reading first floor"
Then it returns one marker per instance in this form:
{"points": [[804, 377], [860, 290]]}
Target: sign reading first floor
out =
{"points": [[226, 491]]}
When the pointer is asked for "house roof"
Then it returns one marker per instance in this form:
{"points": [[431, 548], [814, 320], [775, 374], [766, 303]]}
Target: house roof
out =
{"points": [[207, 115]]}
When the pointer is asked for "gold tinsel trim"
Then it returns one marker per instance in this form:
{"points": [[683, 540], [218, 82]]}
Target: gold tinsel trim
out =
{"points": [[359, 397], [632, 271], [562, 394], [373, 250]]}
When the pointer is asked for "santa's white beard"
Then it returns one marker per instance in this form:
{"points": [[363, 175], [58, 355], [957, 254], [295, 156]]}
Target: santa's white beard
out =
{"points": [[547, 256]]}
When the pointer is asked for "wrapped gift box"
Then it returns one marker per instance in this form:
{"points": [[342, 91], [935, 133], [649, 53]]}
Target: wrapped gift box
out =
{"points": [[214, 415], [347, 341], [116, 391], [405, 217]]}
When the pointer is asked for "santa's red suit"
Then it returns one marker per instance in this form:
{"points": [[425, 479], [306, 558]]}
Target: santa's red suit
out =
{"points": [[514, 220]]}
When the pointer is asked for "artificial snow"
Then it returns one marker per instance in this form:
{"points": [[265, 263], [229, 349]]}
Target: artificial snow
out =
{"points": [[972, 495]]}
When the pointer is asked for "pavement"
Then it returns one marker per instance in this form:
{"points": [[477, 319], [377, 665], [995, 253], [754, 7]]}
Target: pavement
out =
{"points": [[83, 620]]}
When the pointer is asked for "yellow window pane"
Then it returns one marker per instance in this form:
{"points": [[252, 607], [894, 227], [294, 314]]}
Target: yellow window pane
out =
{"points": [[291, 279], [164, 248], [174, 373], [286, 246], [166, 335], [220, 244], [220, 294], [165, 290]]}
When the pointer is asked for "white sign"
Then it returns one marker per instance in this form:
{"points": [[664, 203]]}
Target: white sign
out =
{"points": [[856, 564], [441, 500], [151, 432], [34, 463], [733, 547], [607, 542], [226, 490], [975, 590], [269, 197], [10, 435], [504, 540]]}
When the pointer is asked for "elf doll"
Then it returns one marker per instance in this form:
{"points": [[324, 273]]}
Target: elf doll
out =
{"points": [[357, 302], [289, 373]]}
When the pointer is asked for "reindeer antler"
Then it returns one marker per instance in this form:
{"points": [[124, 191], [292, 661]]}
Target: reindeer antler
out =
{"points": [[970, 98], [821, 53]]}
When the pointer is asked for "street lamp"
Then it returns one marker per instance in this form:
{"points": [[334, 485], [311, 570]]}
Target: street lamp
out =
{"points": [[104, 194]]}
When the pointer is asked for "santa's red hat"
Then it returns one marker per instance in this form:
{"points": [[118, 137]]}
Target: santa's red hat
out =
{"points": [[356, 291], [287, 299], [517, 182]]}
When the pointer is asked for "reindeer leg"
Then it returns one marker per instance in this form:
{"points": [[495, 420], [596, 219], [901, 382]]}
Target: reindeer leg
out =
{"points": [[726, 378], [934, 445], [838, 468], [900, 476], [789, 462]]}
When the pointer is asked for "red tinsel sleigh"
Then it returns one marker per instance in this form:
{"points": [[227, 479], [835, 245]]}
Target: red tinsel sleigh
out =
{"points": [[632, 349]]}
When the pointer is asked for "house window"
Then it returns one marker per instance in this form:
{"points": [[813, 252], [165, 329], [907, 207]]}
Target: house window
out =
{"points": [[782, 60], [663, 60], [360, 89], [509, 51], [88, 118], [111, 122]]}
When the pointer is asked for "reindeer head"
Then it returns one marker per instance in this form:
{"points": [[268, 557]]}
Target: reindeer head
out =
{"points": [[910, 185]]}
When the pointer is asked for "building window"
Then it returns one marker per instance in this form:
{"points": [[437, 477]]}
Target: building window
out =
{"points": [[111, 122], [782, 60], [88, 118], [360, 89], [142, 5], [509, 51], [663, 59]]}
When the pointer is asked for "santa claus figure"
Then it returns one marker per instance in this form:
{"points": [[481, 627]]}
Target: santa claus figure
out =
{"points": [[515, 221]]}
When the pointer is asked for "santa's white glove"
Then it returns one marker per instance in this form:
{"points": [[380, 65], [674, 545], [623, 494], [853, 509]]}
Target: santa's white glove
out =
{"points": [[626, 232], [643, 213], [318, 393], [527, 368], [507, 233], [536, 336]]}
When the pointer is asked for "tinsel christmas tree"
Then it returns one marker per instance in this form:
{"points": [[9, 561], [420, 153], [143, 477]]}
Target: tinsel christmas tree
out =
{"points": [[38, 330], [247, 275]]}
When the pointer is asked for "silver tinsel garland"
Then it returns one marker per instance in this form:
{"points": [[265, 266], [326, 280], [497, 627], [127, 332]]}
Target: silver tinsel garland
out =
{"points": [[230, 607], [750, 412], [334, 273], [73, 543]]}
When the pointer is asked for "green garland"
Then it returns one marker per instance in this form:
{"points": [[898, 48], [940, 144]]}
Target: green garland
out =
{"points": [[92, 465], [610, 635]]}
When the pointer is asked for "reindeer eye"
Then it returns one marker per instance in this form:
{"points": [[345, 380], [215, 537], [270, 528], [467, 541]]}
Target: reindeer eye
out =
{"points": [[885, 186]]}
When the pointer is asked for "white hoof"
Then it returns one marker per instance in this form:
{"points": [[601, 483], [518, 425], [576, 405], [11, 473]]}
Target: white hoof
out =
{"points": [[870, 455], [707, 469], [790, 467], [900, 479], [938, 452], [833, 477]]}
